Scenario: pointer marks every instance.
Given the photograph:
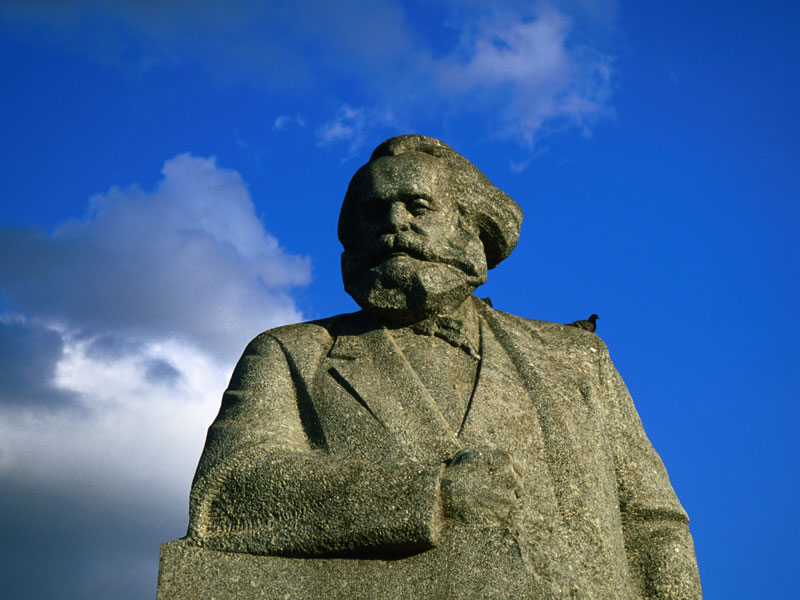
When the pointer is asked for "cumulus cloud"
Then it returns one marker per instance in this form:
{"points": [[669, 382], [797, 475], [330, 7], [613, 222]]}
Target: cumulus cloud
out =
{"points": [[189, 260], [121, 330], [107, 484]]}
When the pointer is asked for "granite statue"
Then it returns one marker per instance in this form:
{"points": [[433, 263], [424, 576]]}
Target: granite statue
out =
{"points": [[428, 445]]}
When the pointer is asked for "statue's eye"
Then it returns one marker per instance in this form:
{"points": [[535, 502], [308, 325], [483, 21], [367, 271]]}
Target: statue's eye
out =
{"points": [[419, 206]]}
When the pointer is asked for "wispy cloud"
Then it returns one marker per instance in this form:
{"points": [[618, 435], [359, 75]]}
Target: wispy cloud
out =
{"points": [[352, 126], [530, 72], [283, 122], [120, 333], [523, 68]]}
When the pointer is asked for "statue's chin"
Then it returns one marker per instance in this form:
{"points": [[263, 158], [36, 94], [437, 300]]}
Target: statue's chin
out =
{"points": [[403, 289]]}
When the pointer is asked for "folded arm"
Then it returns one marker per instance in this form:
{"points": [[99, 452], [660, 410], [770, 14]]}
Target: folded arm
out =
{"points": [[261, 486]]}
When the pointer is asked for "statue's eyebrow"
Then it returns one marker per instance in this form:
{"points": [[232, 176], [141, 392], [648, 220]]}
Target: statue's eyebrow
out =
{"points": [[405, 197], [411, 196]]}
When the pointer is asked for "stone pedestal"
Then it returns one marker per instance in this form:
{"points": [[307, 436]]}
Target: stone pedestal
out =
{"points": [[189, 572]]}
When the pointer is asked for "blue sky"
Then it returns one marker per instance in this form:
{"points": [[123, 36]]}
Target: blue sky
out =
{"points": [[171, 183]]}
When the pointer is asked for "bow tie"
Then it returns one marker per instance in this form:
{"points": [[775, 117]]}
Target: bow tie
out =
{"points": [[449, 329]]}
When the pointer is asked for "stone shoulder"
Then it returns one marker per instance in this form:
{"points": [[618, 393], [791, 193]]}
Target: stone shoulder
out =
{"points": [[299, 337], [560, 338]]}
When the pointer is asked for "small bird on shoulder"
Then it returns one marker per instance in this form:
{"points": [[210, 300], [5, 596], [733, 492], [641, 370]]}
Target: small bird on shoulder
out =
{"points": [[589, 324]]}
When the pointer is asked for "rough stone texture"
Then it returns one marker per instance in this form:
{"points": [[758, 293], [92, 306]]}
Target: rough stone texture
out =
{"points": [[191, 573], [428, 446]]}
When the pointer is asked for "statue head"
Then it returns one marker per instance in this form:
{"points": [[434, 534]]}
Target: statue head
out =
{"points": [[420, 226]]}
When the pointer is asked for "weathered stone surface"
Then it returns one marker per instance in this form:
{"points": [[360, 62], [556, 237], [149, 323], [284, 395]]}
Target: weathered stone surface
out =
{"points": [[189, 572], [428, 445]]}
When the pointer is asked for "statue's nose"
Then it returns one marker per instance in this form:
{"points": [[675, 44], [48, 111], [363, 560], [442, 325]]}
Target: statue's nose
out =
{"points": [[397, 217]]}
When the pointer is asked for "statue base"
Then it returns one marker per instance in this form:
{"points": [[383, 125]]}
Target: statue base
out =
{"points": [[190, 572]]}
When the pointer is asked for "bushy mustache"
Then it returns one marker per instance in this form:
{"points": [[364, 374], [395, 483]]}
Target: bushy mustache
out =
{"points": [[398, 243], [367, 256]]}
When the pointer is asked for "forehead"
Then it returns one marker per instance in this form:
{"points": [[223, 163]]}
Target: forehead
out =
{"points": [[406, 174]]}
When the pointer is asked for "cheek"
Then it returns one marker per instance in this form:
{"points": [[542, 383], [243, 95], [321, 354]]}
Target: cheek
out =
{"points": [[366, 230], [440, 224]]}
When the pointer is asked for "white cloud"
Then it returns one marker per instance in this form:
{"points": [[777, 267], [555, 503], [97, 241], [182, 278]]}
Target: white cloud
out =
{"points": [[529, 71], [515, 69], [125, 329], [188, 261], [133, 438], [123, 462], [131, 318]]}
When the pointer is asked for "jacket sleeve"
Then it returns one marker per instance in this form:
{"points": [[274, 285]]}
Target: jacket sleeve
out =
{"points": [[261, 487], [656, 528]]}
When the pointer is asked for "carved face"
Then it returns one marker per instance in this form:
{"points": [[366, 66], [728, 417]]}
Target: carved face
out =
{"points": [[409, 252]]}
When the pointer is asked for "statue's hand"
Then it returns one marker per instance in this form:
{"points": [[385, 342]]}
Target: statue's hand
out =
{"points": [[480, 486]]}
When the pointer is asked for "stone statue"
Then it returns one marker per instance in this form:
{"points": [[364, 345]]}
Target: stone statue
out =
{"points": [[429, 446]]}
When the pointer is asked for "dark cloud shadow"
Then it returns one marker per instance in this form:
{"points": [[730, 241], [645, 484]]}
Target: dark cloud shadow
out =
{"points": [[57, 545], [158, 370], [29, 354]]}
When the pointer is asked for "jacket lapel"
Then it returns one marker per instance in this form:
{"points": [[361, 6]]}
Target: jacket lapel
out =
{"points": [[500, 401], [503, 415], [372, 369]]}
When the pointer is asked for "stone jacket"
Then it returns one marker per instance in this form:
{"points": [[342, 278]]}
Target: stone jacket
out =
{"points": [[328, 445]]}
